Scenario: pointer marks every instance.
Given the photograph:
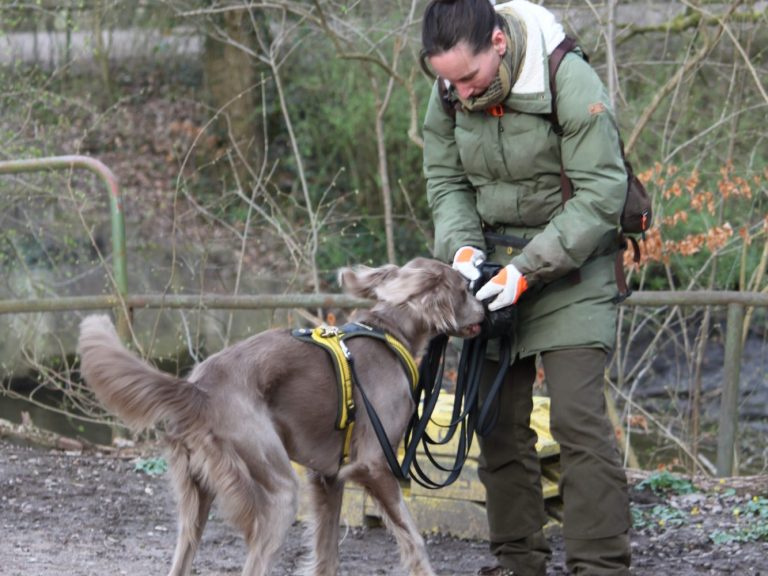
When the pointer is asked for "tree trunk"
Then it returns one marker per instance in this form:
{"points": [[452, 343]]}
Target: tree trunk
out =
{"points": [[610, 56], [101, 52], [230, 81], [386, 189]]}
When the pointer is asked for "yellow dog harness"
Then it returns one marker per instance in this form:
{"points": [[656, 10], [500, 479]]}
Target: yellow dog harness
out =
{"points": [[331, 339]]}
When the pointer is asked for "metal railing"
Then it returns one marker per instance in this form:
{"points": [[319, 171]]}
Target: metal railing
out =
{"points": [[117, 218], [736, 303], [124, 303]]}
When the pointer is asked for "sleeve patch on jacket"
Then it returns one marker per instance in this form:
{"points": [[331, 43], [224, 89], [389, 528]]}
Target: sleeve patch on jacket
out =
{"points": [[596, 108]]}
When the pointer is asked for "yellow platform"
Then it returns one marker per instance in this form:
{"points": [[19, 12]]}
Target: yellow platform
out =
{"points": [[458, 509], [441, 417]]}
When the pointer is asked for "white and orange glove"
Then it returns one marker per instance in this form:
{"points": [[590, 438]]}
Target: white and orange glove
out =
{"points": [[509, 284], [467, 261]]}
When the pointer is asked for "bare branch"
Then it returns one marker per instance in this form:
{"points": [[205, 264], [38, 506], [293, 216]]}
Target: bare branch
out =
{"points": [[681, 72]]}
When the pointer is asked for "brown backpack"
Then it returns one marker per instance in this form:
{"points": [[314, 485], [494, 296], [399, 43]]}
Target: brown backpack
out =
{"points": [[637, 214]]}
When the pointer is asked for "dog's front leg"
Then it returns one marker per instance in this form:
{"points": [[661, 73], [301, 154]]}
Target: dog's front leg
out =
{"points": [[325, 497], [385, 490]]}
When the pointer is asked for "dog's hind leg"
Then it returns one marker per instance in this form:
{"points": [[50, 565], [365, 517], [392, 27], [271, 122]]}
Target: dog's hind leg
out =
{"points": [[194, 504], [385, 490], [265, 531], [325, 496], [257, 489]]}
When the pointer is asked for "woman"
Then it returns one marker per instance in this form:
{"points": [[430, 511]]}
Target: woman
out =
{"points": [[492, 162]]}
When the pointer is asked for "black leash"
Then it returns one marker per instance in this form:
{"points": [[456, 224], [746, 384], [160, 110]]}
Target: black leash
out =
{"points": [[426, 394], [378, 427], [467, 418], [461, 421], [469, 415]]}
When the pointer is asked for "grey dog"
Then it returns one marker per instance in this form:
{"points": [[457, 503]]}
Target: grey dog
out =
{"points": [[234, 425]]}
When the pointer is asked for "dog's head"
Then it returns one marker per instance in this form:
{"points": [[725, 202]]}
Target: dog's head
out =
{"points": [[432, 292]]}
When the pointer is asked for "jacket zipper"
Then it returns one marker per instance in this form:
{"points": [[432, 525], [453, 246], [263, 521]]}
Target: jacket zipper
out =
{"points": [[499, 133]]}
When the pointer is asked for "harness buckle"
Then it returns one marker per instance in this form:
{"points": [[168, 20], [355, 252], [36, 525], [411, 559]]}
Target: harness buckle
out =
{"points": [[329, 331]]}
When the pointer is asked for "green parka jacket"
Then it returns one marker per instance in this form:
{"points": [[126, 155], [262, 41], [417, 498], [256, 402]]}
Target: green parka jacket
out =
{"points": [[503, 173]]}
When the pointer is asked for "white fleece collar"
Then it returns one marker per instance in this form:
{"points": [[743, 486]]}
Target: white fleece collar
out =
{"points": [[543, 34]]}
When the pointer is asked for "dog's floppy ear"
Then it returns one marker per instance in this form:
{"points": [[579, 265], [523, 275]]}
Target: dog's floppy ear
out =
{"points": [[424, 286], [411, 281], [362, 281]]}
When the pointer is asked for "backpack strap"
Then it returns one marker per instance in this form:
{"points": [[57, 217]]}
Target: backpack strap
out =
{"points": [[567, 45], [566, 188]]}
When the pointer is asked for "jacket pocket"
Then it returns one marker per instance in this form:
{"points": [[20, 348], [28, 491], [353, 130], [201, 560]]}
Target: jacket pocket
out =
{"points": [[499, 203], [541, 203]]}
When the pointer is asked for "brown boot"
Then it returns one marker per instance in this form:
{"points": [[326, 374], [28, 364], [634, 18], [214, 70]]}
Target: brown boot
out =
{"points": [[527, 556]]}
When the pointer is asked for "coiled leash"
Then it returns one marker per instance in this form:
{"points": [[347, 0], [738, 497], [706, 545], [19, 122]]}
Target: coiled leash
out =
{"points": [[469, 415], [426, 395]]}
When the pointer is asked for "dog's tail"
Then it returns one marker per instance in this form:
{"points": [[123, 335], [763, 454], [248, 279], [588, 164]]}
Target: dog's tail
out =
{"points": [[136, 392]]}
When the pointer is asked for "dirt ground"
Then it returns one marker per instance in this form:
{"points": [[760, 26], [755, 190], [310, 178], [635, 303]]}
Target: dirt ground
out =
{"points": [[83, 513]]}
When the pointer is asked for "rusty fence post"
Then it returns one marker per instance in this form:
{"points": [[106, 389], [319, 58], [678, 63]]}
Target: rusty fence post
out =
{"points": [[729, 400], [117, 218]]}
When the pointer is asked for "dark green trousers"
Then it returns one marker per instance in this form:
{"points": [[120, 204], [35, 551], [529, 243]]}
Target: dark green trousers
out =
{"points": [[593, 484]]}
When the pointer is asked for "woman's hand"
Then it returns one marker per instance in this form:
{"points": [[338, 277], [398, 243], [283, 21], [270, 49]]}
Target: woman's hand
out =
{"points": [[509, 284], [467, 262]]}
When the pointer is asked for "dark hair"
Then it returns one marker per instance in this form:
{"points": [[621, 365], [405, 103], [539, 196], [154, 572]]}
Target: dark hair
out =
{"points": [[448, 22]]}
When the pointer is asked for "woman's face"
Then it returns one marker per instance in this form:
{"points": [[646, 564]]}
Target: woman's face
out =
{"points": [[469, 73]]}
